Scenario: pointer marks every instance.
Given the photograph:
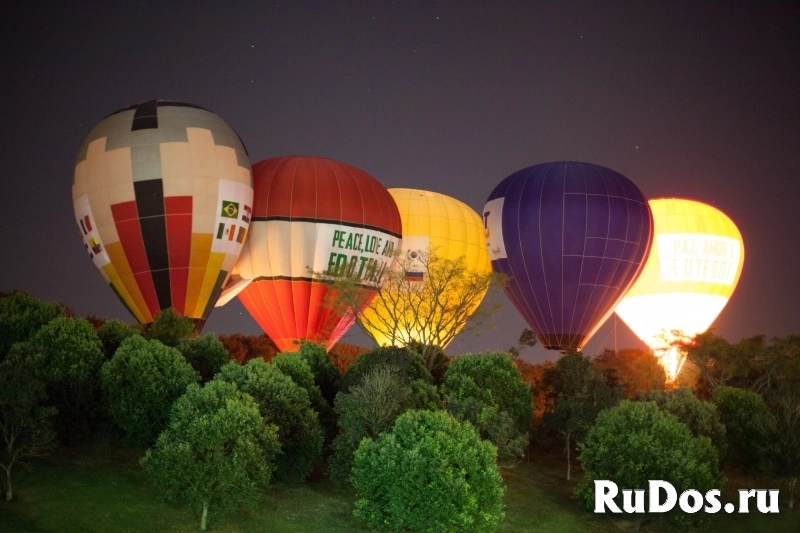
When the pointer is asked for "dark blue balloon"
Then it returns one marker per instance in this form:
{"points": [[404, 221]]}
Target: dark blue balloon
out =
{"points": [[572, 237]]}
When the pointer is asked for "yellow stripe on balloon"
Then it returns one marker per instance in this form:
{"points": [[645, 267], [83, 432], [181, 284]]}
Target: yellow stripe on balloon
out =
{"points": [[112, 276], [215, 261], [198, 264], [128, 283]]}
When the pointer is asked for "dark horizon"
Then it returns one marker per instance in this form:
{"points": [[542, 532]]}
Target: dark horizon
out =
{"points": [[690, 100]]}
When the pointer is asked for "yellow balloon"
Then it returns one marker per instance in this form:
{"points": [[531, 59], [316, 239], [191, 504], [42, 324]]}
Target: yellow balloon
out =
{"points": [[694, 265], [431, 222]]}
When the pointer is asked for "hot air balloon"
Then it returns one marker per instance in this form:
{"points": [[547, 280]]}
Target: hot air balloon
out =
{"points": [[692, 270], [312, 215], [572, 238], [162, 195], [450, 229]]}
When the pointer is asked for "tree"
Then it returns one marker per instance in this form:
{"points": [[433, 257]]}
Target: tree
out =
{"points": [[783, 444], [431, 473], [169, 327], [21, 316], [296, 367], [326, 375], [431, 312], [638, 370], [113, 332], [700, 417], [25, 419], [746, 417], [526, 339], [206, 354], [580, 393], [343, 355], [636, 442], [141, 382], [217, 452], [284, 403], [66, 354], [409, 365], [487, 390], [242, 348], [370, 408], [533, 375]]}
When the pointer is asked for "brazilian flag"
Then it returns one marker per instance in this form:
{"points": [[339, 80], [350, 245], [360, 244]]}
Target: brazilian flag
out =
{"points": [[230, 209]]}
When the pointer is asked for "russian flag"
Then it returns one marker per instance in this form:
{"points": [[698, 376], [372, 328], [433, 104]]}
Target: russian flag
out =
{"points": [[414, 276]]}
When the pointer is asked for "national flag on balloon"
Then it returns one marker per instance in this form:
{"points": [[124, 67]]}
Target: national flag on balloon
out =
{"points": [[230, 209]]}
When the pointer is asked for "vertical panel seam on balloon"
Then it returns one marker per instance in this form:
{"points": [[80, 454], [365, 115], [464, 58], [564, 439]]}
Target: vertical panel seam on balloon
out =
{"points": [[522, 255]]}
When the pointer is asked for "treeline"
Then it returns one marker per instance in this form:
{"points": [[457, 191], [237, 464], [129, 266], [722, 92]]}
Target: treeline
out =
{"points": [[220, 419]]}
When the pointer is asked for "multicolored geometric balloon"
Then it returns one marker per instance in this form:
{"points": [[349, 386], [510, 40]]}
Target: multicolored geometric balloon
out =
{"points": [[312, 215], [162, 196], [431, 222], [572, 237], [692, 271]]}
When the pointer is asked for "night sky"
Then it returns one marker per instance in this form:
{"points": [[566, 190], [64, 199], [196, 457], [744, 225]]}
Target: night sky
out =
{"points": [[697, 100]]}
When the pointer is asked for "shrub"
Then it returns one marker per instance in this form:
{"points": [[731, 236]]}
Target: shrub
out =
{"points": [[284, 403], [408, 365], [113, 332], [430, 473], [745, 416], [636, 442], [370, 408], [487, 390], [67, 355], [296, 367], [141, 382], [700, 417], [21, 316], [169, 327], [206, 355], [326, 375], [217, 452]]}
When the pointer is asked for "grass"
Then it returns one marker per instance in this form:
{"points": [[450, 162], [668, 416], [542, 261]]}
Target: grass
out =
{"points": [[105, 491]]}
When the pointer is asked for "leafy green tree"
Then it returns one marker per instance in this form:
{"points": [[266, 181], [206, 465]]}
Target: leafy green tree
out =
{"points": [[635, 442], [431, 473], [440, 360], [67, 355], [700, 417], [783, 443], [370, 408], [409, 365], [284, 403], [326, 375], [21, 316], [296, 367], [141, 382], [217, 452], [170, 327], [745, 416], [578, 393], [113, 332], [206, 354], [488, 391], [25, 419]]}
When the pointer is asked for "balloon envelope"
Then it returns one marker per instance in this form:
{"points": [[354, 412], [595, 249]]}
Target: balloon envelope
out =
{"points": [[693, 268], [313, 215], [161, 195], [572, 238], [431, 222]]}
